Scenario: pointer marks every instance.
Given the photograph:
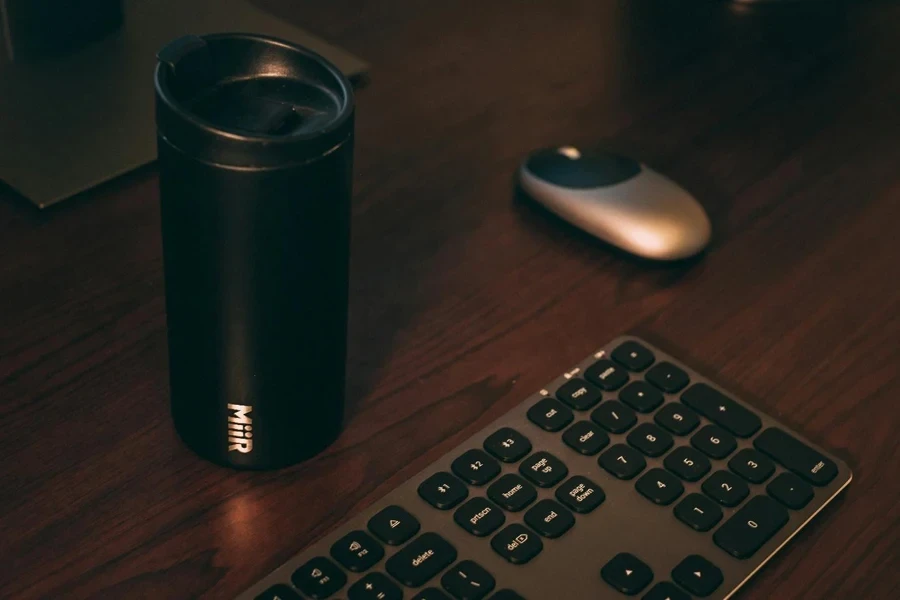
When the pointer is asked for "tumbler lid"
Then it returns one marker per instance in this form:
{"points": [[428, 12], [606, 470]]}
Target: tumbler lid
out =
{"points": [[250, 101]]}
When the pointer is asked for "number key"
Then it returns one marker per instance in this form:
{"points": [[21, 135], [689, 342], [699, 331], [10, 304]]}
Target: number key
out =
{"points": [[508, 445], [687, 463], [677, 418], [714, 441], [725, 488], [622, 461], [650, 439], [751, 465], [475, 467], [660, 487], [698, 512]]}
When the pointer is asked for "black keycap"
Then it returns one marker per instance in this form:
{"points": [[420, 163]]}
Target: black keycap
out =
{"points": [[726, 488], [632, 356], [626, 573], [796, 456], [677, 418], [687, 463], [698, 512], [479, 517], [507, 445], [790, 490], [550, 414], [579, 394], [667, 377], [512, 492], [319, 578], [357, 551], [622, 461], [714, 441], [374, 586], [614, 416], [475, 467], [641, 396], [279, 592], [506, 595], [517, 544], [549, 518], [468, 581], [650, 439], [431, 594], [721, 410], [751, 465], [443, 491], [420, 560], [543, 469], [660, 487], [607, 375], [697, 575], [393, 525], [751, 527], [580, 494], [665, 590], [586, 437]]}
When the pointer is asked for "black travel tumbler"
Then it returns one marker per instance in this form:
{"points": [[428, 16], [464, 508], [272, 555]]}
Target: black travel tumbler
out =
{"points": [[255, 140]]}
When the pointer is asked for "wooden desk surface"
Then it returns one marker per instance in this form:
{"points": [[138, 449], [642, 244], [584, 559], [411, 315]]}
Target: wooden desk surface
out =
{"points": [[785, 125]]}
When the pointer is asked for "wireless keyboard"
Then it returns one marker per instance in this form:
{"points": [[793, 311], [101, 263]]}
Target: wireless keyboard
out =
{"points": [[630, 474]]}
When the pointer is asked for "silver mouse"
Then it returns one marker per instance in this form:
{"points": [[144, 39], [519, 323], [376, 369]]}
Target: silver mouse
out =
{"points": [[618, 200]]}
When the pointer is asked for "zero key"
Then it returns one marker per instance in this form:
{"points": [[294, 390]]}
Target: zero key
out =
{"points": [[751, 527]]}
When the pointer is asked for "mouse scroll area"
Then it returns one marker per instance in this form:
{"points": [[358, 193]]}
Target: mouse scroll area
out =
{"points": [[573, 168]]}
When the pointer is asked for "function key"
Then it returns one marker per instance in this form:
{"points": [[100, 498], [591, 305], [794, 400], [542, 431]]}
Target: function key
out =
{"points": [[475, 467], [549, 518], [687, 463], [790, 490], [677, 418], [580, 494], [607, 375], [393, 525], [614, 416], [550, 414], [650, 439], [641, 396], [506, 595], [420, 560], [751, 465], [431, 594], [479, 517], [622, 461], [512, 492], [626, 573], [319, 578], [279, 592], [443, 491], [357, 551], [508, 445], [517, 544], [632, 356], [667, 377], [543, 469], [721, 410], [698, 512], [726, 488], [796, 456], [374, 586], [751, 527], [697, 575], [468, 581], [665, 590], [714, 442], [579, 394], [586, 437], [660, 487]]}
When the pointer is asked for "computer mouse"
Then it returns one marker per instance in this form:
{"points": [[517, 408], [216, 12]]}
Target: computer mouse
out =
{"points": [[617, 200]]}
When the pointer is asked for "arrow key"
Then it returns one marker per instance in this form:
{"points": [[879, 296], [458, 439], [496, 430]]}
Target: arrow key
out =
{"points": [[665, 590], [468, 581], [697, 575], [627, 573]]}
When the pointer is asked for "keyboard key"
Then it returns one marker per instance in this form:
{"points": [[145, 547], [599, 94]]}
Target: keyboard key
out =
{"points": [[506, 595], [677, 418], [641, 396], [443, 491], [357, 551], [517, 544], [606, 375], [512, 492], [726, 488], [632, 356], [667, 377], [580, 494], [475, 467], [751, 527], [550, 414], [622, 461], [721, 410], [665, 590], [650, 439], [393, 525], [279, 592], [431, 594], [508, 445], [790, 490], [468, 581], [660, 487], [479, 517], [374, 586], [626, 573], [586, 437], [714, 442], [751, 465], [319, 578], [697, 575], [687, 463], [614, 416], [420, 560], [543, 469], [549, 518], [579, 394], [796, 456], [698, 512]]}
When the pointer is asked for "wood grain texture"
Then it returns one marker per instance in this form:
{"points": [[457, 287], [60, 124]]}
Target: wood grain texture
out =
{"points": [[784, 122]]}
